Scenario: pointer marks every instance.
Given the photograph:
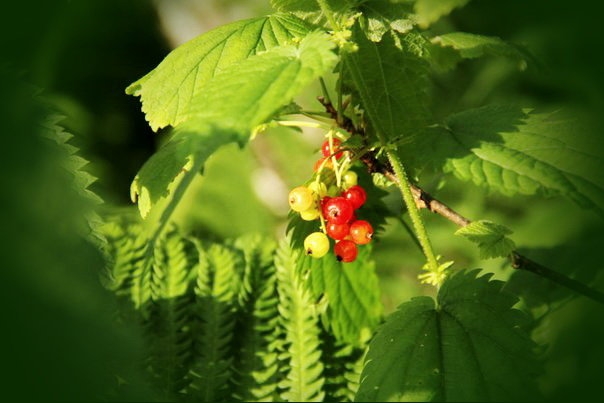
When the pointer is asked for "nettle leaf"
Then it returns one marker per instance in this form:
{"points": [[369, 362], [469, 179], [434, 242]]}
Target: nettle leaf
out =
{"points": [[472, 46], [391, 80], [351, 291], [490, 237], [234, 102], [428, 12], [471, 346], [381, 16], [168, 91], [514, 150]]}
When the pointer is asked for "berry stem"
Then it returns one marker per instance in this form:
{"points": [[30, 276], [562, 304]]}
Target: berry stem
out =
{"points": [[334, 160], [420, 230]]}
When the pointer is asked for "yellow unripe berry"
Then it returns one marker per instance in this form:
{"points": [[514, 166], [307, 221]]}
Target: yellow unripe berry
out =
{"points": [[300, 198], [350, 179], [316, 244], [310, 215]]}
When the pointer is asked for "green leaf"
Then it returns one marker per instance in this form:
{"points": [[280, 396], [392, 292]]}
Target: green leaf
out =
{"points": [[351, 292], [491, 238], [391, 80], [472, 346], [381, 16], [303, 378], [234, 102], [428, 12], [513, 151], [167, 91], [471, 46]]}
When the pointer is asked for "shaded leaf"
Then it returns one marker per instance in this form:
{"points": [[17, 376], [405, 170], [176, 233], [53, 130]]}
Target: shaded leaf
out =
{"points": [[514, 150], [472, 346]]}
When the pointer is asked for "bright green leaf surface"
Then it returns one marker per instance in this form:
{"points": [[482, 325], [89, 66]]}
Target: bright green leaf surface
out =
{"points": [[167, 91], [471, 347], [490, 237]]}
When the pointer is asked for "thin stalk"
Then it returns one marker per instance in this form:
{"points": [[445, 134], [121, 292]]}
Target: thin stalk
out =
{"points": [[420, 230]]}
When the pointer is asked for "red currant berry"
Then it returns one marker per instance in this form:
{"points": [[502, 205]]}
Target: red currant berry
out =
{"points": [[353, 218], [337, 231], [356, 196], [324, 202], [337, 210], [346, 251], [361, 232], [327, 151]]}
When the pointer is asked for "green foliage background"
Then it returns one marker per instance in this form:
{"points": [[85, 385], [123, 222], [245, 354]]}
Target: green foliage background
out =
{"points": [[62, 336]]}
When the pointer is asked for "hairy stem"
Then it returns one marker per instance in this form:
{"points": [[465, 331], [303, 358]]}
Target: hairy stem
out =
{"points": [[420, 230]]}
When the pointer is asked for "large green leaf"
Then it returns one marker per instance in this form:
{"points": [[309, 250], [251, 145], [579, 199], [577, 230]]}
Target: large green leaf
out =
{"points": [[471, 346], [390, 78], [513, 151], [167, 91], [351, 292], [234, 102]]}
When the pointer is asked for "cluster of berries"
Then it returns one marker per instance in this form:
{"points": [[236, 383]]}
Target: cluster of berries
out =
{"points": [[336, 207]]}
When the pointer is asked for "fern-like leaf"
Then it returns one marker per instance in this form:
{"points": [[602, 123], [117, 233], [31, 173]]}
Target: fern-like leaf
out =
{"points": [[256, 364], [218, 283], [301, 350]]}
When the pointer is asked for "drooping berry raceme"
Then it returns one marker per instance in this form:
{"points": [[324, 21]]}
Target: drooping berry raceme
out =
{"points": [[316, 245], [361, 232], [337, 210], [333, 197], [337, 231], [346, 251], [356, 195], [300, 198], [335, 146]]}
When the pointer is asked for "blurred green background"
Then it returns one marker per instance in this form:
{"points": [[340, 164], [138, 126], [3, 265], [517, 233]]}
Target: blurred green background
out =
{"points": [[59, 338]]}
